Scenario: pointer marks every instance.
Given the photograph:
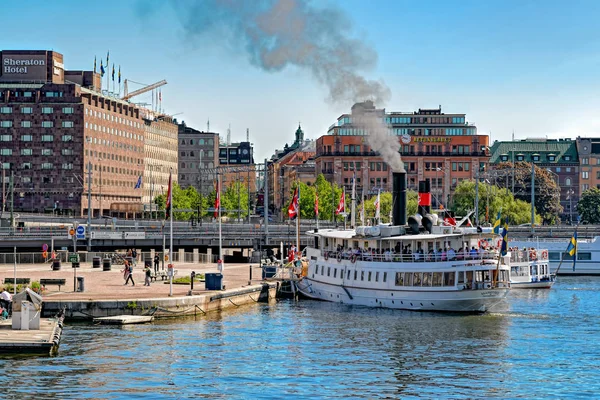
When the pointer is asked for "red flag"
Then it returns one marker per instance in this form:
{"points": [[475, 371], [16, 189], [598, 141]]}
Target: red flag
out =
{"points": [[293, 209], [342, 204], [316, 204], [218, 200], [169, 205]]}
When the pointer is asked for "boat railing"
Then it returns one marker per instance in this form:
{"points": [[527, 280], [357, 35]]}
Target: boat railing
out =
{"points": [[409, 258], [528, 255]]}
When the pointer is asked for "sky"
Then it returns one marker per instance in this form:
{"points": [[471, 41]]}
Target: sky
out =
{"points": [[528, 67]]}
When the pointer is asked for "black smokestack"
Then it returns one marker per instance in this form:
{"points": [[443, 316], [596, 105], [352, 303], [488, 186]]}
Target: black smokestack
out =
{"points": [[399, 197], [424, 197]]}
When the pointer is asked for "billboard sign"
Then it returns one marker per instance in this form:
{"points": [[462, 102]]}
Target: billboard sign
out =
{"points": [[24, 67]]}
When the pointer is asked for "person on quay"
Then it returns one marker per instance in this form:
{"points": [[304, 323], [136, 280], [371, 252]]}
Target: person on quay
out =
{"points": [[147, 275], [156, 263], [6, 300]]}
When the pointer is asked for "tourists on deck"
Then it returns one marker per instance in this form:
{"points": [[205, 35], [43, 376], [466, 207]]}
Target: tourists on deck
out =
{"points": [[6, 300], [147, 275], [451, 254], [473, 252]]}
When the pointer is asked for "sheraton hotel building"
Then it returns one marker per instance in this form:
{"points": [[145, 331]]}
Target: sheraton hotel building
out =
{"points": [[55, 126]]}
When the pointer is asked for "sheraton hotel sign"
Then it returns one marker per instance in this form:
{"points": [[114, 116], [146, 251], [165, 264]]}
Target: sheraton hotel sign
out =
{"points": [[21, 66]]}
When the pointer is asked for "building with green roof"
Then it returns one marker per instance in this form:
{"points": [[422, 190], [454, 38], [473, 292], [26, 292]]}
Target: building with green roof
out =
{"points": [[559, 156]]}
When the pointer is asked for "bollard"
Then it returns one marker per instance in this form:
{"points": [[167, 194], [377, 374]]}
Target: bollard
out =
{"points": [[192, 280], [251, 272]]}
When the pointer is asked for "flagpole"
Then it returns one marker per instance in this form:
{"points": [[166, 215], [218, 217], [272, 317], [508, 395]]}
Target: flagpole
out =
{"points": [[298, 221], [563, 254], [171, 234], [353, 209], [220, 233], [378, 206], [317, 207]]}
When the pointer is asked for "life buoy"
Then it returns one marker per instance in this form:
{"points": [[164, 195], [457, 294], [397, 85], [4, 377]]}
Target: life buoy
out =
{"points": [[544, 254], [339, 256], [483, 244], [353, 258], [326, 256], [532, 255], [499, 243]]}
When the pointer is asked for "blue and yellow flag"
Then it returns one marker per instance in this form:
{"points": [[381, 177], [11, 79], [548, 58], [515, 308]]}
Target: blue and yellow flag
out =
{"points": [[113, 72], [504, 247], [572, 249], [498, 223], [119, 74], [107, 58], [94, 64], [101, 69]]}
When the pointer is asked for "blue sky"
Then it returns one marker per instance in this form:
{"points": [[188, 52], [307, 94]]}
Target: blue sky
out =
{"points": [[527, 66]]}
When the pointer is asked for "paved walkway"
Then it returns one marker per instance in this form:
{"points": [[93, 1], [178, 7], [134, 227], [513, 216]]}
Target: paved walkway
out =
{"points": [[99, 284]]}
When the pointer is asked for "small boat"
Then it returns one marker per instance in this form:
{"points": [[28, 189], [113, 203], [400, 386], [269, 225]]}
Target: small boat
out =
{"points": [[530, 269], [414, 264]]}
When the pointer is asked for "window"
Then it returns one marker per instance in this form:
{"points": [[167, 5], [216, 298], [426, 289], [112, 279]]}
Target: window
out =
{"points": [[536, 158], [520, 158], [26, 138], [567, 158], [26, 165], [68, 110], [47, 138], [399, 278], [5, 110], [453, 166], [585, 161], [25, 124], [585, 187], [385, 276], [26, 110], [5, 152], [6, 124], [47, 124], [26, 179], [47, 110], [585, 175], [551, 158], [5, 138], [67, 138], [67, 124], [67, 152], [558, 169], [504, 158], [67, 166], [369, 276], [47, 166], [568, 181]]}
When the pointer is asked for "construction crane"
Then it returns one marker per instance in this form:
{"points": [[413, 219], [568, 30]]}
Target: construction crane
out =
{"points": [[145, 89]]}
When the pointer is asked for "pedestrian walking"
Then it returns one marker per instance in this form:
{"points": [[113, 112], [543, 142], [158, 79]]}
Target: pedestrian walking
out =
{"points": [[130, 275], [156, 263], [125, 271], [147, 274]]}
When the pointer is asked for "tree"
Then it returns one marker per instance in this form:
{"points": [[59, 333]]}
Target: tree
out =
{"points": [[182, 199], [386, 199], [547, 192], [491, 199], [235, 196], [589, 206]]}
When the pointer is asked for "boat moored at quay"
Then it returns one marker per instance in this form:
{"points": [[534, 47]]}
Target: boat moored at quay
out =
{"points": [[529, 269], [419, 264]]}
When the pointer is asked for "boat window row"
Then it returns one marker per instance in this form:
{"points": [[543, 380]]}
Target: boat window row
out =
{"points": [[388, 256], [526, 270], [352, 274], [425, 279], [581, 255]]}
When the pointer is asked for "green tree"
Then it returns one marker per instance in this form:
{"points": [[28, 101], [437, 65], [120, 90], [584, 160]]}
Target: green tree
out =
{"points": [[235, 196], [492, 199], [182, 200], [589, 206], [547, 192]]}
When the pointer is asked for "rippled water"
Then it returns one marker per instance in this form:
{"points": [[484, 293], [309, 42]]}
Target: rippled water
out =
{"points": [[540, 344]]}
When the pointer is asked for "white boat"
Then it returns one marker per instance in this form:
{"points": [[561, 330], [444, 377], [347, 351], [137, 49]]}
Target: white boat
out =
{"points": [[529, 269], [588, 254]]}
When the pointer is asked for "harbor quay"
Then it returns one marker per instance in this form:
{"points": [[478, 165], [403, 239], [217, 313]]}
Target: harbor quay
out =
{"points": [[105, 294]]}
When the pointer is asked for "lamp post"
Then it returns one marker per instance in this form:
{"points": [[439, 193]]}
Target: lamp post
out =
{"points": [[570, 194], [100, 196]]}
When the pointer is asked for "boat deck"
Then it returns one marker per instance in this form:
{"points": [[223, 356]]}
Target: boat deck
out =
{"points": [[22, 342], [124, 319]]}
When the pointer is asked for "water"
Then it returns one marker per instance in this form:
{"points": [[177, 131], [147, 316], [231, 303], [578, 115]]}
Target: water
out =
{"points": [[541, 344]]}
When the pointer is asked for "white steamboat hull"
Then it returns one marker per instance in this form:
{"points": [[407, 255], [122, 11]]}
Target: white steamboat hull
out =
{"points": [[468, 301], [532, 285]]}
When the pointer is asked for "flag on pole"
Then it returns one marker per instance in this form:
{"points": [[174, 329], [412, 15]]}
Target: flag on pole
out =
{"points": [[341, 208], [572, 249], [113, 72], [119, 74], [378, 205], [294, 208], [139, 183], [504, 247], [160, 95], [169, 204], [497, 223], [107, 58], [218, 200], [94, 64], [316, 204], [101, 69]]}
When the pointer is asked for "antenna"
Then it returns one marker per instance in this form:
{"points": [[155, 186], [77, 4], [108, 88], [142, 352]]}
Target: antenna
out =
{"points": [[228, 136], [208, 125], [248, 135]]}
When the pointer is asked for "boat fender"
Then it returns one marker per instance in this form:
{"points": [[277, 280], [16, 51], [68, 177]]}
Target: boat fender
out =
{"points": [[326, 256], [545, 254], [339, 256], [353, 258]]}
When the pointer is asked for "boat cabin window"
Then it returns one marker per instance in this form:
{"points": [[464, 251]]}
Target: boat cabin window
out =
{"points": [[369, 276], [437, 279], [385, 276], [461, 277], [533, 270], [328, 271], [362, 275], [335, 272], [399, 278], [554, 256], [448, 278], [376, 276], [426, 278], [348, 275], [355, 274], [417, 278], [584, 256]]}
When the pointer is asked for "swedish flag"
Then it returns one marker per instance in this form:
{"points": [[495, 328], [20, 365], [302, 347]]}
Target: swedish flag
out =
{"points": [[498, 223], [101, 69], [113, 73], [119, 74], [94, 64], [504, 247], [572, 249]]}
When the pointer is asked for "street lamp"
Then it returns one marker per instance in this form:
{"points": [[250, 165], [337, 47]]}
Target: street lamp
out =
{"points": [[100, 196], [570, 193]]}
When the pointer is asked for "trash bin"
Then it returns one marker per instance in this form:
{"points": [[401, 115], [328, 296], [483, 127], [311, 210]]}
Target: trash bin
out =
{"points": [[213, 281], [268, 272], [96, 262], [80, 284], [106, 264], [75, 265], [55, 265]]}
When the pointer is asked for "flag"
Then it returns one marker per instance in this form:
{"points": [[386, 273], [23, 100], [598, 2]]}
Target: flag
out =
{"points": [[101, 69], [316, 205], [94, 64], [113, 72], [218, 200], [107, 58], [119, 74], [498, 223], [169, 204], [341, 208], [159, 95], [139, 183], [293, 209], [504, 247], [572, 249], [377, 205]]}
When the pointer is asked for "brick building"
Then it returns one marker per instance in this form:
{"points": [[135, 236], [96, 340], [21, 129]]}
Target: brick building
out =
{"points": [[198, 156], [443, 148]]}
